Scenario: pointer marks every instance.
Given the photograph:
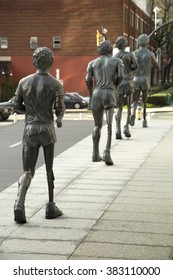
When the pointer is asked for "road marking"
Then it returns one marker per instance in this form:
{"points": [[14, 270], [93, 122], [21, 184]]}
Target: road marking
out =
{"points": [[16, 144]]}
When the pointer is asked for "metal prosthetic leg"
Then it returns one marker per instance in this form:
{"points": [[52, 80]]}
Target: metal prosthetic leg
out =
{"points": [[52, 211], [118, 124], [126, 127], [144, 123], [133, 115], [96, 139], [106, 154], [19, 206]]}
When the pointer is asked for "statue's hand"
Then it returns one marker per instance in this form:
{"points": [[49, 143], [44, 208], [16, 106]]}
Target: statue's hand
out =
{"points": [[59, 123]]}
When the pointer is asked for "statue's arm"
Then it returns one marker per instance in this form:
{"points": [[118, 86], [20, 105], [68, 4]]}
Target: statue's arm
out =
{"points": [[19, 106], [89, 79], [135, 64], [119, 76], [59, 105], [154, 61]]}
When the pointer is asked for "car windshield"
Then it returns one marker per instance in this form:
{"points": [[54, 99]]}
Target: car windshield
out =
{"points": [[12, 99]]}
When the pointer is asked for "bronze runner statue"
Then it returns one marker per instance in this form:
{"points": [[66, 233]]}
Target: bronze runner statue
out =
{"points": [[142, 76], [126, 88], [104, 74], [40, 92]]}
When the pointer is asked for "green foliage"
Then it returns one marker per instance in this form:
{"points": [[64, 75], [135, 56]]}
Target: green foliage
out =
{"points": [[161, 99], [159, 88], [161, 95], [148, 106], [170, 91]]}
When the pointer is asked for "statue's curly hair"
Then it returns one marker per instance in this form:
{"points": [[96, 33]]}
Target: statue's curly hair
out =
{"points": [[43, 58], [121, 41], [105, 48], [143, 40]]}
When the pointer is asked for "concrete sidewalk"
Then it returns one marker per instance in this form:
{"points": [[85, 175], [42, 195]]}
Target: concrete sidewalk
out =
{"points": [[124, 211]]}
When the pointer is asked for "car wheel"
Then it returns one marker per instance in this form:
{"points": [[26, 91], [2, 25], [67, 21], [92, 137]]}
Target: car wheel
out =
{"points": [[1, 118], [5, 118], [77, 106]]}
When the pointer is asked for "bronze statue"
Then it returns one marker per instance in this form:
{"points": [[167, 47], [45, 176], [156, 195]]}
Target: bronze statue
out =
{"points": [[126, 88], [104, 74], [40, 92], [142, 76]]}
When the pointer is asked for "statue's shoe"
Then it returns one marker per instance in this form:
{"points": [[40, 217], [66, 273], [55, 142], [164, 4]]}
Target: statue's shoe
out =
{"points": [[107, 158], [127, 132], [132, 120], [52, 211], [96, 158], [19, 214], [118, 135]]}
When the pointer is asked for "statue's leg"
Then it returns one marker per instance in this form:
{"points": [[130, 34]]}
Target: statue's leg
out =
{"points": [[144, 99], [98, 120], [118, 116], [30, 156], [106, 155], [52, 211], [134, 106], [126, 127]]}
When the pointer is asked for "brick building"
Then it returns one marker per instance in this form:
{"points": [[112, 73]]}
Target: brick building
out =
{"points": [[67, 27]]}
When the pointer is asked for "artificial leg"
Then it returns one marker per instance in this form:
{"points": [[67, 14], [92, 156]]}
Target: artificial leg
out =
{"points": [[118, 116], [126, 127], [144, 96], [52, 211], [118, 123]]}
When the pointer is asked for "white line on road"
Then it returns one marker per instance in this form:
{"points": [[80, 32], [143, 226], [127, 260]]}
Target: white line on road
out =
{"points": [[16, 144]]}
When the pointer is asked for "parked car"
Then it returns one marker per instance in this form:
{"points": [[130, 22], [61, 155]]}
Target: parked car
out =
{"points": [[5, 112], [74, 100], [78, 95], [10, 104], [85, 98]]}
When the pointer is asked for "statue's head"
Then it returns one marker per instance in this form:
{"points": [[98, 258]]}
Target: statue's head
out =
{"points": [[105, 48], [43, 58], [121, 42], [143, 40]]}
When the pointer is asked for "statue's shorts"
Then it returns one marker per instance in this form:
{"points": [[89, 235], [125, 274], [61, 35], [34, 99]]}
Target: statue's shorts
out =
{"points": [[103, 99], [36, 135], [140, 83]]}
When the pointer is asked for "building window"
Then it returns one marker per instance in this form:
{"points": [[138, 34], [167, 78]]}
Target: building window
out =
{"points": [[3, 42], [33, 42], [141, 25], [126, 14], [137, 22], [57, 42], [131, 43], [136, 44], [132, 18]]}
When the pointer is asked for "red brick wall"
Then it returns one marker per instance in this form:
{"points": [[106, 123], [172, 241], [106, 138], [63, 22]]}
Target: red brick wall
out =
{"points": [[76, 21], [72, 70]]}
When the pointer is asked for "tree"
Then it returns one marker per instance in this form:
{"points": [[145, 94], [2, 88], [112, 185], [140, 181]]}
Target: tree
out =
{"points": [[163, 38]]}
